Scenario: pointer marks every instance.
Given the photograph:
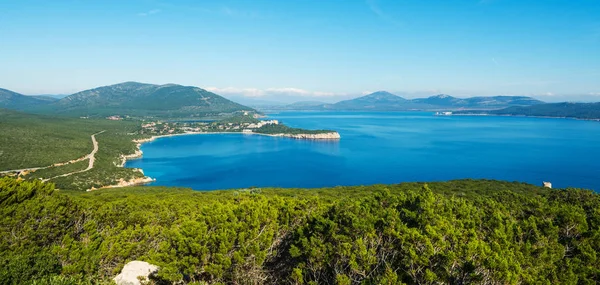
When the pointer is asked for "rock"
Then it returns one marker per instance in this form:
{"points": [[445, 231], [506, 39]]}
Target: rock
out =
{"points": [[321, 136], [134, 269]]}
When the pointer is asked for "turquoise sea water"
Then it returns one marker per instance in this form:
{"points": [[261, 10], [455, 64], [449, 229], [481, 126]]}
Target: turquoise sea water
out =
{"points": [[383, 148]]}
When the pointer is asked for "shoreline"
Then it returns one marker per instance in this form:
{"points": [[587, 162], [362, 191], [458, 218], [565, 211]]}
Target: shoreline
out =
{"points": [[523, 116], [147, 179]]}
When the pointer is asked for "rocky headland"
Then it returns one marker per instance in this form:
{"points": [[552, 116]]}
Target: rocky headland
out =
{"points": [[320, 136]]}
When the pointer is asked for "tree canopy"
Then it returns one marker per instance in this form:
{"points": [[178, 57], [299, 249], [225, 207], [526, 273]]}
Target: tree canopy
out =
{"points": [[482, 232]]}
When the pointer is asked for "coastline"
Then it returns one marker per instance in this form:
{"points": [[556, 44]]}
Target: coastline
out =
{"points": [[139, 153], [524, 116]]}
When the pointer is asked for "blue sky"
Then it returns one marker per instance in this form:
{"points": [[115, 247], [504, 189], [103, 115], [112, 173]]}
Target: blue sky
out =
{"points": [[312, 50]]}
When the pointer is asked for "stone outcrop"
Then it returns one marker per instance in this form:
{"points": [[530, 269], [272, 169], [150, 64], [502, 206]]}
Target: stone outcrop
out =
{"points": [[134, 269], [321, 136], [137, 154], [131, 182]]}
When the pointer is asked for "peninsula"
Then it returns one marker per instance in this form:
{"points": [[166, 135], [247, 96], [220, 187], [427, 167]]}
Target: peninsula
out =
{"points": [[90, 153], [245, 123], [582, 111]]}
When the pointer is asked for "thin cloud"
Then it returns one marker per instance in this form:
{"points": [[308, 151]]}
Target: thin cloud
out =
{"points": [[255, 92], [149, 13], [375, 8], [246, 92]]}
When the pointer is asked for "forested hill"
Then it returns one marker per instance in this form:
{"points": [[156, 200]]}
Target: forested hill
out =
{"points": [[385, 101], [128, 99], [493, 102], [587, 111], [15, 101], [31, 140], [139, 99], [458, 232]]}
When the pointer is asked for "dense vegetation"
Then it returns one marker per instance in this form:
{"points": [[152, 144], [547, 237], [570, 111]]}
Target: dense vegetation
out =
{"points": [[273, 129], [460, 232], [385, 101], [143, 100], [478, 102], [239, 119], [15, 101], [29, 141], [587, 111], [34, 140]]}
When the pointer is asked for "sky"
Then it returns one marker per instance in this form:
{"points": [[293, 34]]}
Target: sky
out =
{"points": [[306, 49]]}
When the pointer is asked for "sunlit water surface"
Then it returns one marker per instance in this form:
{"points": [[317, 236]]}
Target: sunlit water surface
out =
{"points": [[382, 148]]}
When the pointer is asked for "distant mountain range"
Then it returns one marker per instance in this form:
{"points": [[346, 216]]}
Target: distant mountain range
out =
{"points": [[127, 99], [478, 102], [587, 111], [385, 101], [177, 101], [15, 101]]}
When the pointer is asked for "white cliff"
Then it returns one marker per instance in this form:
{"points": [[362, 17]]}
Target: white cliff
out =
{"points": [[321, 136]]}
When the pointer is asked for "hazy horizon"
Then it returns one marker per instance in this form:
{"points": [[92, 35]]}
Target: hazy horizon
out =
{"points": [[306, 51], [290, 97]]}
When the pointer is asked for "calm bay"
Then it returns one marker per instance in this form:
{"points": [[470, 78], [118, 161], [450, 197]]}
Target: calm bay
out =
{"points": [[382, 147]]}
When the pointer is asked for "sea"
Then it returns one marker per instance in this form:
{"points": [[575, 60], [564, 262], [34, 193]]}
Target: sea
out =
{"points": [[382, 147]]}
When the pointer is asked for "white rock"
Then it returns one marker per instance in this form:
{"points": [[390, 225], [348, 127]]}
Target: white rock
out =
{"points": [[321, 136], [131, 271]]}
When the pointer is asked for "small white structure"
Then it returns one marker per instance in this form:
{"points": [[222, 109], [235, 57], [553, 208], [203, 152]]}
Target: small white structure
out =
{"points": [[134, 269], [262, 123], [547, 184]]}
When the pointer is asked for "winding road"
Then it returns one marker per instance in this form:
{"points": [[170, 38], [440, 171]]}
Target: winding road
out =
{"points": [[90, 156]]}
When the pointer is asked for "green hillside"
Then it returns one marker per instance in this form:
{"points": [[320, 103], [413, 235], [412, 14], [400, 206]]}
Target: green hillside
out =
{"points": [[35, 140], [567, 110], [29, 141], [377, 101], [59, 148], [492, 102], [458, 232], [144, 100], [15, 101], [586, 111], [385, 101]]}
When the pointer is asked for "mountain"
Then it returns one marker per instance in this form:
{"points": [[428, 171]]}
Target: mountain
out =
{"points": [[493, 102], [441, 100], [140, 99], [501, 101], [15, 101], [307, 105], [52, 96], [385, 101], [378, 101], [172, 100], [46, 98], [587, 111], [254, 102]]}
